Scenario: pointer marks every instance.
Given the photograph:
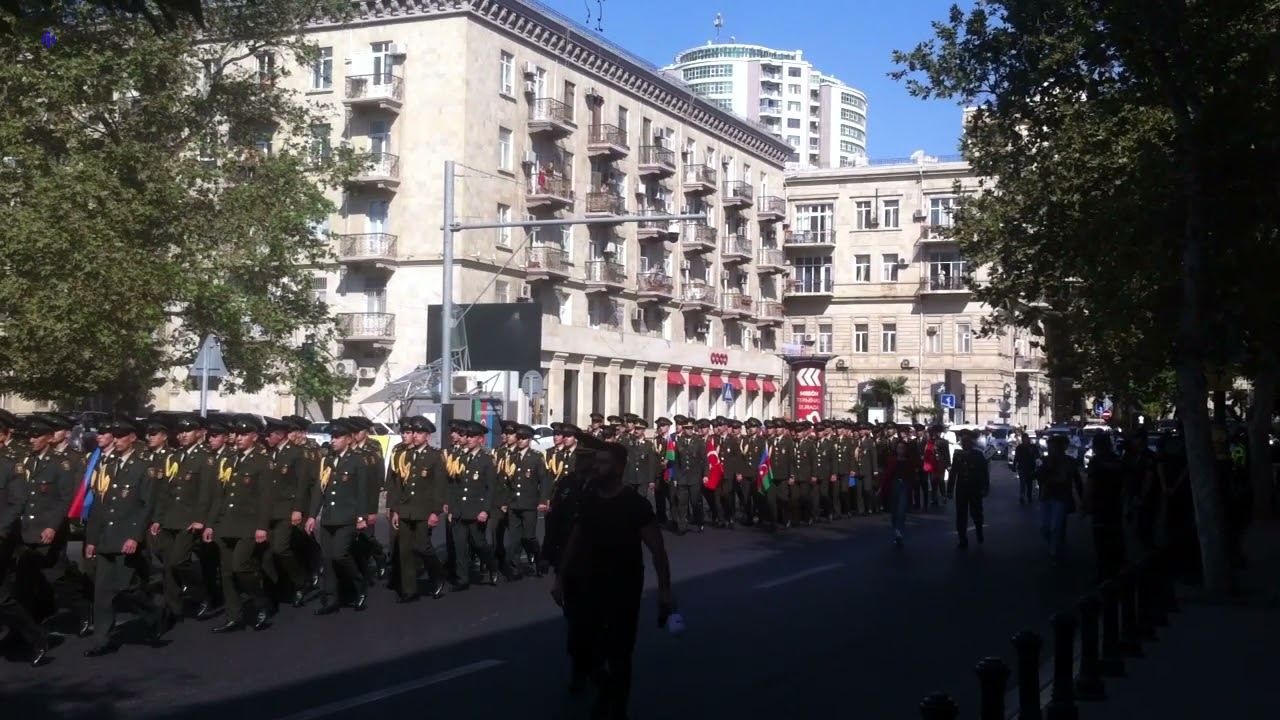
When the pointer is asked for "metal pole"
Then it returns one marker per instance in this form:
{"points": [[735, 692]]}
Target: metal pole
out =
{"points": [[204, 388], [446, 298]]}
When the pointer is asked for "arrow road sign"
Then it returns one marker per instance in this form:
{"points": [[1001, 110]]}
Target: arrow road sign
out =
{"points": [[947, 401], [809, 377]]}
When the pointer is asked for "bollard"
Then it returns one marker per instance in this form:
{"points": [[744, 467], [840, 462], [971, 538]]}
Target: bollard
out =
{"points": [[939, 706], [1145, 600], [1062, 701], [1130, 637], [993, 676], [1089, 684], [1027, 644], [1112, 664]]}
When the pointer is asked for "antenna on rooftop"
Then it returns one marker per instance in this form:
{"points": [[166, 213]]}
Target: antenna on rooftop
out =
{"points": [[719, 23]]}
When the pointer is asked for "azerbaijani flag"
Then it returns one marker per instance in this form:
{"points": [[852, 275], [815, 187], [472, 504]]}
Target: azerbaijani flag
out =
{"points": [[671, 458], [83, 501], [715, 468], [764, 470]]}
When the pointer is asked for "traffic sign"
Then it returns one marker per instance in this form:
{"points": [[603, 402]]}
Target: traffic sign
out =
{"points": [[209, 360], [531, 382], [947, 400], [728, 394]]}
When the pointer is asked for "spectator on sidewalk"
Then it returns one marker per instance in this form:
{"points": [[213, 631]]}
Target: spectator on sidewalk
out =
{"points": [[897, 486], [1025, 457], [1104, 502], [1059, 485]]}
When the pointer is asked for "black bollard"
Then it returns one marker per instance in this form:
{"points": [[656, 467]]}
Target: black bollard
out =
{"points": [[1089, 684], [1146, 600], [939, 706], [1027, 645], [1062, 701], [993, 676], [1112, 664], [1130, 637]]}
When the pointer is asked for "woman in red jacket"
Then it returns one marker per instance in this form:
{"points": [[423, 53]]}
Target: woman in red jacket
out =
{"points": [[896, 484]]}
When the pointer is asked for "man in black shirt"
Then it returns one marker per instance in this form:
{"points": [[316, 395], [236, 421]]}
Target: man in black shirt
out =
{"points": [[604, 568]]}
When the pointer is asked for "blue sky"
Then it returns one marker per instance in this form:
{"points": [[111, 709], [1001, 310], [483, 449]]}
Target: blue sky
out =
{"points": [[851, 39]]}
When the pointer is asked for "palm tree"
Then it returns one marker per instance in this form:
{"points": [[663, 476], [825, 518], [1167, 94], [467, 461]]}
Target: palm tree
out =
{"points": [[916, 411], [886, 391]]}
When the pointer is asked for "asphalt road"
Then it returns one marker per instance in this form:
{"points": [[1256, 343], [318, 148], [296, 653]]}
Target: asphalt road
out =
{"points": [[829, 619]]}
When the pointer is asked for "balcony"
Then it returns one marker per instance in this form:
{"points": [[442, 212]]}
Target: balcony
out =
{"points": [[550, 117], [816, 239], [605, 204], [662, 230], [945, 278], [771, 108], [770, 208], [654, 287], [699, 179], [1025, 364], [769, 312], [657, 160], [697, 296], [378, 170], [771, 261], [699, 238], [811, 287], [375, 250], [736, 304], [605, 276], [546, 264], [735, 249], [936, 234], [738, 194], [377, 329], [607, 140], [383, 91], [549, 191]]}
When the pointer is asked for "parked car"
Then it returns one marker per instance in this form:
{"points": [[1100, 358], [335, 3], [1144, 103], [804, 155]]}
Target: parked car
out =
{"points": [[541, 438], [1000, 439]]}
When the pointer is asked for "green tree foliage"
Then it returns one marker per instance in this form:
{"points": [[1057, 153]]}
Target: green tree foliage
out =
{"points": [[155, 188]]}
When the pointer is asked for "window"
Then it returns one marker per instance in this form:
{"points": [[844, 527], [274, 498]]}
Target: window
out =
{"points": [[793, 141], [797, 334], [861, 338], [889, 267], [853, 101], [863, 219], [793, 123], [933, 339], [941, 211], [793, 72], [853, 116], [563, 308], [501, 291], [852, 132], [964, 338], [793, 106], [889, 338], [708, 71], [570, 92], [322, 70], [504, 234], [320, 288], [890, 214], [814, 222], [862, 268], [811, 274], [319, 146], [383, 63], [505, 149], [848, 147], [266, 68], [507, 74], [824, 338], [793, 89], [712, 88]]}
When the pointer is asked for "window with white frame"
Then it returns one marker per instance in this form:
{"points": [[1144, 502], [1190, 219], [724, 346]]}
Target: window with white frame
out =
{"points": [[506, 150], [793, 123], [793, 106], [890, 214], [793, 71], [811, 274], [964, 338], [507, 73], [266, 68], [941, 211], [797, 333], [501, 291], [933, 339], [825, 338], [322, 69], [815, 220], [861, 338], [863, 215], [320, 288], [889, 267], [793, 89], [793, 141], [848, 147], [889, 338], [862, 268], [708, 71], [504, 233]]}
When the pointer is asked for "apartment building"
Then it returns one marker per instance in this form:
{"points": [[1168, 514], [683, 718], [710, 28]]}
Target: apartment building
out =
{"points": [[878, 284], [821, 118]]}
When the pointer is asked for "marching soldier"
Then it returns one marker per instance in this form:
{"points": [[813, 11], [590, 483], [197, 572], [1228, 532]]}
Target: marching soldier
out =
{"points": [[750, 449], [470, 500], [240, 523], [566, 491], [805, 466], [13, 496], [310, 468], [641, 459], [10, 446], [291, 483], [690, 473], [51, 486], [597, 424], [969, 483], [397, 469], [415, 507], [368, 548], [866, 466], [338, 511], [184, 503], [527, 495], [842, 469], [502, 493], [727, 442]]}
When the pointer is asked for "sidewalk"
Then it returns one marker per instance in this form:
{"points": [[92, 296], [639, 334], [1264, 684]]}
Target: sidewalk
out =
{"points": [[1214, 660]]}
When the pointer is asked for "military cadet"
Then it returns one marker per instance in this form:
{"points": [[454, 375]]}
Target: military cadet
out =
{"points": [[10, 446], [470, 501], [307, 547], [638, 473], [368, 548], [690, 474], [240, 525], [527, 495], [62, 425], [750, 450], [113, 538], [183, 504], [397, 466], [805, 466], [969, 483], [453, 466], [866, 465], [415, 508], [730, 458], [502, 492], [338, 511], [659, 488], [597, 423], [290, 497], [566, 492], [13, 496], [841, 469], [51, 486]]}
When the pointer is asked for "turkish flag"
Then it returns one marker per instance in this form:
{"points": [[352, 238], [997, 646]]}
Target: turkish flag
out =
{"points": [[715, 468]]}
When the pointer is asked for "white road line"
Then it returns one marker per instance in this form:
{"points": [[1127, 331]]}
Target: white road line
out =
{"points": [[334, 708], [797, 576]]}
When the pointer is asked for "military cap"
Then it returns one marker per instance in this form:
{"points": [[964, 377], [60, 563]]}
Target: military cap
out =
{"points": [[703, 424], [641, 423], [297, 422], [121, 426], [218, 424], [509, 427], [614, 420], [802, 425], [608, 433], [277, 424], [767, 424], [735, 424], [188, 422], [630, 417], [155, 424], [401, 422], [662, 422], [245, 423], [590, 444], [360, 423], [458, 425], [558, 429], [424, 424], [57, 421], [751, 423], [475, 429], [918, 427], [8, 421], [36, 426], [681, 420], [719, 421], [596, 417], [340, 428], [524, 432], [570, 429]]}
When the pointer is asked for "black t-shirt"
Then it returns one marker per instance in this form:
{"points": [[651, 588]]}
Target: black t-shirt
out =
{"points": [[610, 529]]}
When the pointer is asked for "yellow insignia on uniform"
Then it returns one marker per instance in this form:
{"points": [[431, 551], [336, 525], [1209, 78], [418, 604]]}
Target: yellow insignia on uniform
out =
{"points": [[224, 472], [325, 473], [171, 467]]}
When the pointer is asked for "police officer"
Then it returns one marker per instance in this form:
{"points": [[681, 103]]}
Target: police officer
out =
{"points": [[528, 494], [470, 502], [290, 490], [690, 473], [184, 503], [969, 483], [338, 512], [240, 525], [415, 508]]}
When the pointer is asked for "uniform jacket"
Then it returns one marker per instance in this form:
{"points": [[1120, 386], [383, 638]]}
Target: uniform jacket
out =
{"points": [[529, 486], [866, 460], [422, 486], [291, 480], [806, 466], [641, 461], [471, 490], [730, 449], [824, 458], [51, 486], [13, 493], [398, 468], [782, 457], [504, 467], [375, 474], [691, 460], [970, 474], [243, 505], [123, 502], [750, 448], [842, 460], [341, 495], [188, 496]]}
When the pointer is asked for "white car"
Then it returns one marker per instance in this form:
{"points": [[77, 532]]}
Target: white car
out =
{"points": [[541, 438]]}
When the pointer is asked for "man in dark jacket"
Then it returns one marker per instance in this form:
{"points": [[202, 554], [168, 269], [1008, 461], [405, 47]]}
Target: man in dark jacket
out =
{"points": [[690, 472], [338, 511], [969, 483]]}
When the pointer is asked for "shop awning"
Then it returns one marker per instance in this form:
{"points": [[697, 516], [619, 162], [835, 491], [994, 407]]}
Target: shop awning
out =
{"points": [[695, 380], [674, 377], [717, 381], [752, 385], [769, 387], [736, 382]]}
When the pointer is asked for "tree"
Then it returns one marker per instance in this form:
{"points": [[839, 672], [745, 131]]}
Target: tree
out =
{"points": [[1127, 140], [156, 188], [886, 391], [916, 412], [16, 15]]}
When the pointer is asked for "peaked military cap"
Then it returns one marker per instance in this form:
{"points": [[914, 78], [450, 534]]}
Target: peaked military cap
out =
{"points": [[509, 427], [188, 422], [557, 428], [570, 429], [8, 421], [663, 422], [218, 424], [802, 425], [122, 426], [360, 423], [751, 423], [340, 428], [703, 424], [36, 426], [57, 421], [475, 429], [155, 424], [682, 420], [640, 423], [246, 424], [524, 432], [277, 424], [297, 422], [614, 420], [608, 433], [596, 417]]}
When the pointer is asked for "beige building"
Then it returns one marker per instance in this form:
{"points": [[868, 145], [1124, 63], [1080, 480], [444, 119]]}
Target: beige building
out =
{"points": [[877, 283]]}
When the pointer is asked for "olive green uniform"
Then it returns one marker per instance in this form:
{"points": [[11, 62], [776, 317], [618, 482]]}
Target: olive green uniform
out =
{"points": [[415, 493], [181, 500], [340, 499], [121, 513], [242, 508]]}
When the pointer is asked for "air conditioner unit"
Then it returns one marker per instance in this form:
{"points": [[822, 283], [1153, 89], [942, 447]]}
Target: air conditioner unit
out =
{"points": [[905, 364], [842, 365], [809, 338], [459, 385], [399, 49], [345, 368], [918, 216], [530, 158], [526, 292], [530, 69], [367, 373], [902, 262]]}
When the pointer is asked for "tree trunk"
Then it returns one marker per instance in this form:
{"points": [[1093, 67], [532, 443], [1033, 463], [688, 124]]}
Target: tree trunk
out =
{"points": [[1261, 410]]}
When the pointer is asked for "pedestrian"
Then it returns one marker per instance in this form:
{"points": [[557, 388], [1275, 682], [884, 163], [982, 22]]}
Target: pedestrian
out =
{"points": [[1025, 456], [1104, 503], [603, 557], [969, 483], [1060, 484], [898, 480], [936, 459]]}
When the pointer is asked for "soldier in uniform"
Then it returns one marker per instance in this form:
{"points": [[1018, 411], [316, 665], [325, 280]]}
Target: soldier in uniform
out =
{"points": [[216, 441], [291, 484], [866, 466], [502, 493], [10, 446], [368, 548], [339, 506], [659, 490], [13, 496], [470, 502], [305, 546], [527, 494], [51, 486], [114, 536], [184, 503], [750, 449], [240, 526], [690, 473], [806, 455], [731, 461], [597, 423], [842, 469], [969, 483], [641, 459], [415, 507]]}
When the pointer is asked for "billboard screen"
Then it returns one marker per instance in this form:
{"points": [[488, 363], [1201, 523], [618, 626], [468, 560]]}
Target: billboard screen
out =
{"points": [[498, 336]]}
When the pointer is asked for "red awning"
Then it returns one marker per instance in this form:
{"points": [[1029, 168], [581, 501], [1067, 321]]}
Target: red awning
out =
{"points": [[752, 385], [736, 382], [674, 377], [695, 380], [717, 381], [769, 387]]}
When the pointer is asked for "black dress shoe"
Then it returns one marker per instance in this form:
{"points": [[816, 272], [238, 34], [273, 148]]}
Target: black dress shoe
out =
{"points": [[261, 620], [328, 609], [100, 650], [438, 591], [406, 599], [229, 626], [86, 629], [315, 581], [41, 657], [205, 611], [490, 579], [361, 602], [299, 598]]}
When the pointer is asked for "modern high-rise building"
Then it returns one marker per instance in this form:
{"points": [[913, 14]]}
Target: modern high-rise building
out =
{"points": [[821, 118]]}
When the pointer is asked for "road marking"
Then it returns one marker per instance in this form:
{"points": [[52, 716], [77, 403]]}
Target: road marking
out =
{"points": [[797, 576], [334, 708]]}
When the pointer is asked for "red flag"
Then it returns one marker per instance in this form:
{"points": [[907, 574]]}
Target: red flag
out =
{"points": [[715, 469]]}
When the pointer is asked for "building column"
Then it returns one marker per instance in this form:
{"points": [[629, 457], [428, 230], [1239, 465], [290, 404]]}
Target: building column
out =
{"points": [[660, 392], [554, 389], [612, 403], [637, 390], [586, 390]]}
